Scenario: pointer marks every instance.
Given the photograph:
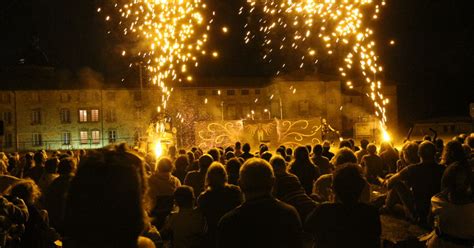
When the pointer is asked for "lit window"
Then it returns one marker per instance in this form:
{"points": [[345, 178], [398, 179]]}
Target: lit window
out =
{"points": [[95, 115], [82, 115], [112, 136], [66, 138], [37, 139], [95, 137], [84, 137]]}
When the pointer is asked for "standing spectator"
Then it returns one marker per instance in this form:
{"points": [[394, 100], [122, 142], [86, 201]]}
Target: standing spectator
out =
{"points": [[261, 221], [246, 152], [181, 165], [373, 165], [238, 147], [453, 209], [304, 169], [453, 152], [325, 167], [326, 150], [233, 167], [363, 150], [218, 199], [416, 184], [37, 171], [196, 179], [185, 227], [346, 222], [50, 173]]}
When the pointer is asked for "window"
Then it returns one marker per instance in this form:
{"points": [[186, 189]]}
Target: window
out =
{"points": [[231, 92], [95, 115], [36, 116], [84, 137], [37, 139], [257, 92], [65, 97], [110, 96], [111, 115], [112, 136], [244, 92], [201, 92], [66, 138], [8, 140], [65, 116], [7, 118], [95, 136], [82, 115]]}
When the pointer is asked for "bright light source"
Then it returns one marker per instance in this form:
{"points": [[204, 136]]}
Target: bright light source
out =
{"points": [[225, 29], [158, 149], [392, 42]]}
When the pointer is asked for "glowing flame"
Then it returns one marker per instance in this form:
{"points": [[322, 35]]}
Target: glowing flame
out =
{"points": [[158, 149], [385, 135]]}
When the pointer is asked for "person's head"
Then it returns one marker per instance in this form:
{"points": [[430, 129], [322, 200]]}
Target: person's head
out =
{"points": [[470, 141], [233, 166], [216, 176], [323, 120], [267, 156], [104, 206], [309, 148], [343, 156], [458, 182], [278, 164], [427, 151], [301, 154], [364, 143], [410, 153], [39, 158], [282, 151], [214, 152], [238, 145], [25, 189], [426, 138], [318, 150], [51, 165], [165, 165], [191, 157], [326, 145], [348, 184], [372, 149], [229, 155], [289, 151], [323, 187], [453, 152], [172, 151], [246, 148], [256, 177], [263, 148], [66, 166], [345, 143], [204, 162], [3, 168], [181, 163], [439, 143], [184, 197]]}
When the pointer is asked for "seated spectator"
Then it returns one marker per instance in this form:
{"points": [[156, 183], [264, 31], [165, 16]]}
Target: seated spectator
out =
{"points": [[304, 169], [288, 188], [320, 161], [453, 152], [414, 186], [409, 155], [56, 194], [37, 233], [161, 189], [181, 165], [261, 221], [373, 165], [107, 213], [233, 167], [185, 227], [453, 208], [389, 156], [346, 222], [363, 150], [326, 152], [343, 156], [50, 173], [196, 179], [322, 191], [246, 152], [218, 199]]}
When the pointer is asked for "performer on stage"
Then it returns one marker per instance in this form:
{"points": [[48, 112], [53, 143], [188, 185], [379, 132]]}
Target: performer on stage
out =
{"points": [[326, 129]]}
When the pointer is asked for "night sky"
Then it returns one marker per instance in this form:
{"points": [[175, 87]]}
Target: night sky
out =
{"points": [[431, 62]]}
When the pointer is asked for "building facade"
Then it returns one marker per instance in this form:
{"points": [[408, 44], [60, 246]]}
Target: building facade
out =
{"points": [[93, 118]]}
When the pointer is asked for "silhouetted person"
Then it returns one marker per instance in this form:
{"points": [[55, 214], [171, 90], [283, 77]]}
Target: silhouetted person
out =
{"points": [[363, 150], [326, 152], [261, 221], [453, 152], [181, 165], [233, 167], [346, 222], [186, 226], [246, 152], [389, 156], [320, 161], [304, 169], [218, 199], [196, 179], [373, 165], [37, 171], [238, 147], [50, 173]]}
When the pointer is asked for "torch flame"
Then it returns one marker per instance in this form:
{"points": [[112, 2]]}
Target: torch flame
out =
{"points": [[158, 149]]}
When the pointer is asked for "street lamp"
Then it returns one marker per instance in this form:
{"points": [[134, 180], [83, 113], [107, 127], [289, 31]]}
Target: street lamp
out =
{"points": [[253, 113], [269, 113]]}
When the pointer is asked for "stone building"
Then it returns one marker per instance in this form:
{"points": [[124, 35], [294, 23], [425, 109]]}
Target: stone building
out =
{"points": [[92, 118]]}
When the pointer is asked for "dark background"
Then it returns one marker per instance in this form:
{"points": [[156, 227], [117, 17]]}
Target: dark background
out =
{"points": [[432, 61]]}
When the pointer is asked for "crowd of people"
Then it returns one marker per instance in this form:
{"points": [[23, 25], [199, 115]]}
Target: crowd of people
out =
{"points": [[238, 197]]}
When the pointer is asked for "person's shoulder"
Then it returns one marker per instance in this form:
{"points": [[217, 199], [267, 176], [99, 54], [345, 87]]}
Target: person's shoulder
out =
{"points": [[231, 216], [233, 188]]}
